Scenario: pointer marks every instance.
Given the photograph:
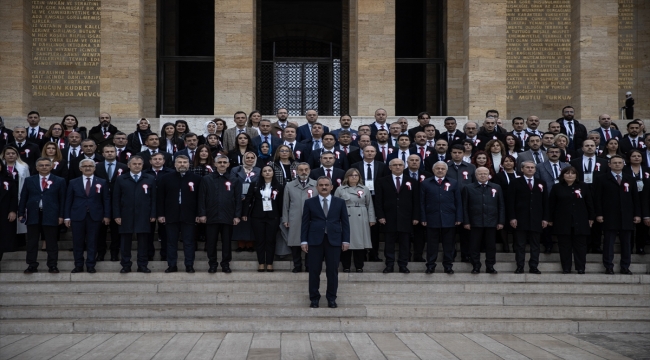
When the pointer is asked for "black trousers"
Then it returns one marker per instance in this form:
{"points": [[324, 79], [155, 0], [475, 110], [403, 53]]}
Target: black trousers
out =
{"points": [[162, 235], [463, 237], [418, 240], [115, 239], [641, 236], [186, 232], [265, 231], [575, 245], [374, 239], [296, 255], [84, 234], [402, 239], [332, 255], [142, 259], [625, 238], [434, 237], [547, 237], [476, 236], [212, 232], [595, 240], [358, 255], [521, 236], [51, 234]]}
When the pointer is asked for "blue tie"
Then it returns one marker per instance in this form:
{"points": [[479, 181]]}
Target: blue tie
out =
{"points": [[110, 170], [135, 177]]}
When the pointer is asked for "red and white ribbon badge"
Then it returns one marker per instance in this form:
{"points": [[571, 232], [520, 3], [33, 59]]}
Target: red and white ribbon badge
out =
{"points": [[145, 187], [626, 187], [191, 185], [298, 152], [6, 184], [476, 142], [309, 193], [5, 135], [106, 135], [274, 194], [338, 181], [359, 192], [98, 188], [541, 187], [427, 153], [26, 153], [390, 150], [209, 168], [40, 135], [61, 144], [228, 185], [279, 133], [494, 137], [465, 175], [568, 157], [647, 175], [494, 192], [447, 186], [56, 164], [408, 185], [337, 154], [354, 136], [422, 177], [49, 183], [293, 172], [597, 166], [128, 155], [578, 194], [119, 172]]}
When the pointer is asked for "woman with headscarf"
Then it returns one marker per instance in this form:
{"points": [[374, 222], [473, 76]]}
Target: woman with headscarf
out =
{"points": [[264, 154], [248, 174], [136, 140], [210, 127]]}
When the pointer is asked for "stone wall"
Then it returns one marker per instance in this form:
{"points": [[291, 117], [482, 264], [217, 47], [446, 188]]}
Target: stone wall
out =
{"points": [[15, 57]]}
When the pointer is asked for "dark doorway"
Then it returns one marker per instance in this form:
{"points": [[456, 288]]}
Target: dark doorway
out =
{"points": [[185, 57]]}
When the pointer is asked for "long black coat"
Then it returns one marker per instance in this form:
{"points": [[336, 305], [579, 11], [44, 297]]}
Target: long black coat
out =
{"points": [[617, 204], [97, 134], [570, 209], [220, 198], [483, 207], [528, 207], [253, 201], [134, 204], [168, 187], [399, 209], [598, 171], [8, 203]]}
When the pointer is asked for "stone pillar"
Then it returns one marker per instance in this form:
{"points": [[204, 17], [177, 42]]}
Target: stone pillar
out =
{"points": [[234, 59], [455, 51], [594, 81], [372, 56], [641, 94], [150, 58], [484, 36], [15, 58], [122, 58]]}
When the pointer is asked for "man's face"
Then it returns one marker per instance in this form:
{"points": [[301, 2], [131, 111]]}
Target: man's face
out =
{"points": [[221, 163], [345, 139], [345, 121], [380, 116], [430, 132], [382, 136], [88, 168], [312, 116], [265, 127], [324, 187], [441, 146], [568, 113], [33, 120], [44, 167], [289, 134], [104, 119], [369, 152], [303, 172], [605, 121], [471, 129], [240, 119], [282, 114], [482, 174], [439, 170], [534, 142], [75, 139], [364, 141], [364, 130], [329, 142], [489, 124], [135, 165], [191, 142], [553, 154], [153, 142], [547, 140], [595, 137], [633, 130], [404, 124], [109, 153], [404, 142], [457, 155], [424, 119], [88, 148], [327, 160], [589, 147], [616, 164], [450, 125], [420, 138], [182, 165], [118, 140], [554, 127], [396, 167], [529, 169], [157, 161], [20, 135], [317, 131], [518, 125], [532, 122], [395, 130], [413, 162]]}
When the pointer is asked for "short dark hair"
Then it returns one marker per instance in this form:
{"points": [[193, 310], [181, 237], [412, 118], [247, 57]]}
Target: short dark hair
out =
{"points": [[330, 134], [190, 134], [33, 112], [632, 123], [403, 135], [517, 118], [240, 112], [532, 136], [566, 170], [567, 107], [617, 156], [491, 111], [150, 135], [420, 115], [120, 133], [450, 118], [458, 147]]}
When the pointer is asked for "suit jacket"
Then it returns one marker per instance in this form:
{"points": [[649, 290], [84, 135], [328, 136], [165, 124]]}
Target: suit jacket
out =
{"points": [[412, 131], [379, 167], [100, 171], [432, 159], [421, 175], [356, 156], [134, 203], [571, 207], [185, 152], [483, 207], [163, 171], [335, 132], [315, 224], [53, 198], [220, 198], [374, 129], [545, 172], [459, 136], [337, 176], [397, 154], [598, 171], [528, 207], [125, 155], [398, 208], [300, 151], [304, 133], [97, 203], [528, 156], [6, 137], [464, 175], [60, 169], [579, 133], [625, 144], [441, 205], [613, 133], [97, 134], [146, 157], [341, 160], [494, 135], [38, 137], [275, 142], [29, 153], [230, 135], [617, 204], [172, 185], [74, 171]]}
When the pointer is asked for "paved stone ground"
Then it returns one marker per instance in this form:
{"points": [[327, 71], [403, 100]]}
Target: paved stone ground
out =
{"points": [[298, 346]]}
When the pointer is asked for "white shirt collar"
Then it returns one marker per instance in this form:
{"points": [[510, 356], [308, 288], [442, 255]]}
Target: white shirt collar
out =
{"points": [[329, 199]]}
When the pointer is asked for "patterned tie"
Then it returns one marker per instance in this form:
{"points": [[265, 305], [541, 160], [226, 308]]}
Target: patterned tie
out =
{"points": [[87, 186], [398, 185], [329, 173]]}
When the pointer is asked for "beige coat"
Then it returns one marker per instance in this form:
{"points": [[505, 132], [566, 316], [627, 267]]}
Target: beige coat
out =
{"points": [[361, 212], [294, 201]]}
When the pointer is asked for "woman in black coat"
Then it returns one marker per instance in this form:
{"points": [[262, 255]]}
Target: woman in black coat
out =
{"points": [[265, 220], [641, 175], [503, 179], [572, 215], [8, 210]]}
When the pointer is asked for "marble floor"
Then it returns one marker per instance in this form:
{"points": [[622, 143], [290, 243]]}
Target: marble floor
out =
{"points": [[299, 346]]}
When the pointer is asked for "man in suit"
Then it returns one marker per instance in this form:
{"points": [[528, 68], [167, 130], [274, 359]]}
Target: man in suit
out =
{"points": [[153, 142], [277, 127], [177, 204], [413, 171], [325, 232], [191, 143], [304, 131], [423, 119], [528, 212], [532, 125], [383, 145], [396, 207], [103, 133], [519, 131], [606, 131], [345, 143], [441, 210], [534, 153], [394, 131], [73, 148], [229, 136], [157, 170], [403, 151], [28, 151], [548, 140], [35, 133], [421, 147], [88, 204], [346, 122], [483, 214], [380, 123], [489, 131], [134, 209], [300, 151], [431, 135], [463, 173], [295, 194], [41, 207], [632, 140], [358, 155], [570, 127], [316, 141], [88, 151], [471, 130], [452, 135], [329, 145], [267, 136], [441, 154], [122, 150], [109, 170], [327, 168], [618, 209], [646, 153]]}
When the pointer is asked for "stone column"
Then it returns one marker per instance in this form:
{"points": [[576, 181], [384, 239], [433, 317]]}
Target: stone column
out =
{"points": [[455, 51], [15, 58], [234, 59], [122, 58], [594, 81], [372, 56], [484, 36], [641, 94]]}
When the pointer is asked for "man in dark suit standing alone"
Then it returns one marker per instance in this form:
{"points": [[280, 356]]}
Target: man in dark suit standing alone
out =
{"points": [[87, 205], [41, 202], [325, 231]]}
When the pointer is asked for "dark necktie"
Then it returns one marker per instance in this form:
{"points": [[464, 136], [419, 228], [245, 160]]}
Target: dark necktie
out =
{"points": [[536, 155], [439, 181], [530, 184], [441, 157], [397, 184], [110, 171], [451, 137], [633, 143], [589, 167], [414, 175], [136, 177], [618, 179], [404, 156], [555, 171], [192, 156], [369, 174], [570, 125], [87, 186], [329, 173], [266, 139], [32, 134]]}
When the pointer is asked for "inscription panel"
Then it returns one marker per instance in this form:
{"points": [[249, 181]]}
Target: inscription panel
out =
{"points": [[538, 54], [66, 43], [626, 46]]}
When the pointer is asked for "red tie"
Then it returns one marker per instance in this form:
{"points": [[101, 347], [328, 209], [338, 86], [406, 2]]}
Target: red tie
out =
{"points": [[383, 152], [329, 173], [606, 134], [11, 169], [87, 186], [118, 152], [397, 184], [422, 152], [530, 184], [345, 148], [43, 183], [439, 181]]}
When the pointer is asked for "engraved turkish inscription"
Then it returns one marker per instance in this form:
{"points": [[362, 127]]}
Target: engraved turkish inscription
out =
{"points": [[538, 53], [626, 45], [66, 42]]}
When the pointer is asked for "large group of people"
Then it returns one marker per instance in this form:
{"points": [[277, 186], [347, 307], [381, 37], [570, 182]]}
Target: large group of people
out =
{"points": [[258, 182]]}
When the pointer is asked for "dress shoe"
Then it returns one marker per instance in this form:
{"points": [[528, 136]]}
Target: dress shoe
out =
{"points": [[125, 270], [566, 271], [31, 270], [144, 269], [212, 269], [430, 270], [297, 269], [77, 270], [449, 271], [53, 270], [640, 252], [346, 270], [171, 269], [388, 269], [226, 269], [314, 304], [519, 270], [626, 271], [609, 271], [332, 304], [581, 272], [115, 258], [269, 268], [239, 249], [260, 268], [91, 270], [534, 271], [404, 270], [491, 270], [359, 270], [476, 270], [189, 269]]}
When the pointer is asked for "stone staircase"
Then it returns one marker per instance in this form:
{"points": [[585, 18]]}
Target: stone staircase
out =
{"points": [[248, 301]]}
